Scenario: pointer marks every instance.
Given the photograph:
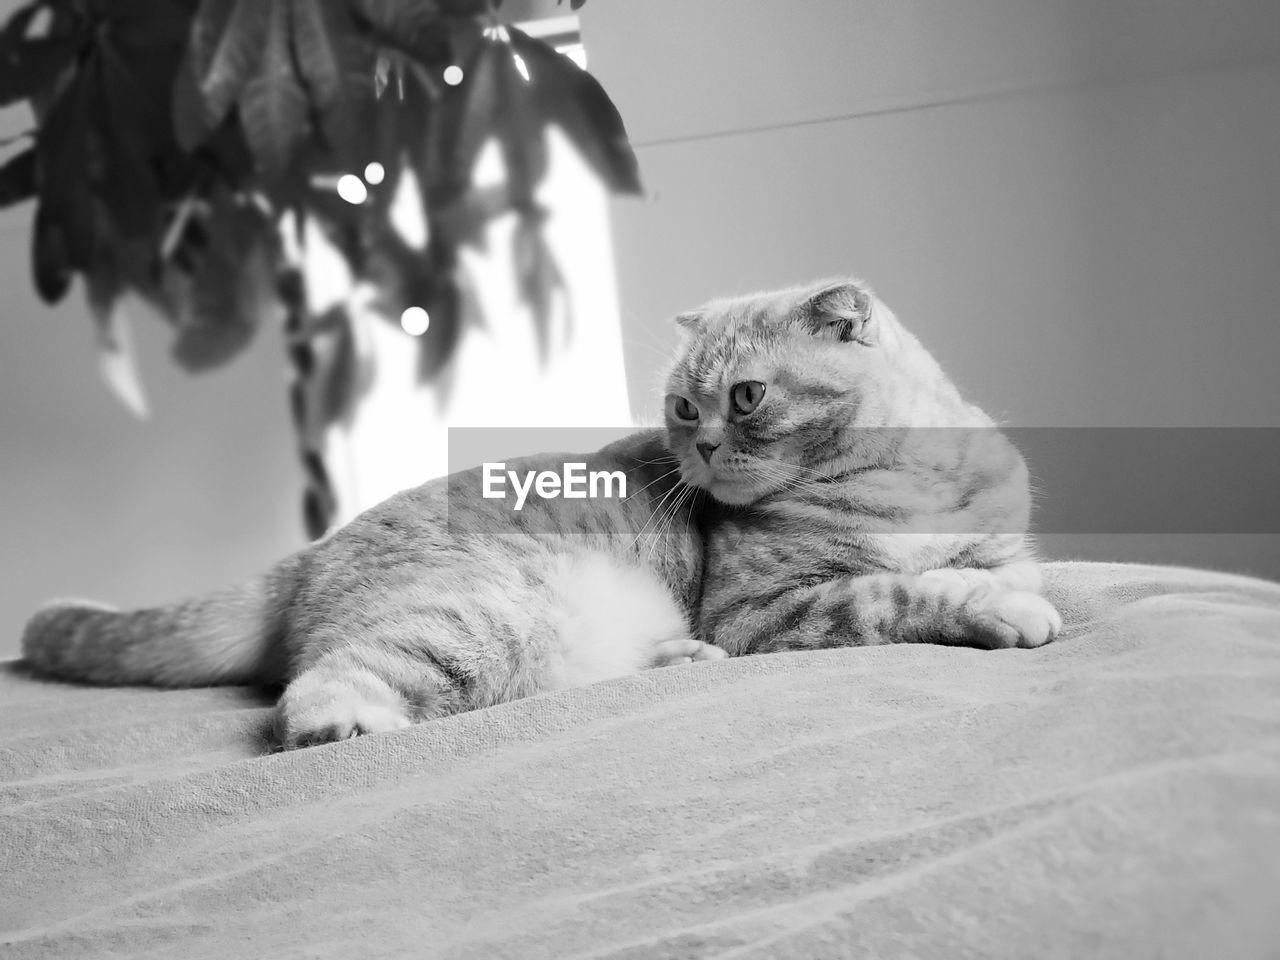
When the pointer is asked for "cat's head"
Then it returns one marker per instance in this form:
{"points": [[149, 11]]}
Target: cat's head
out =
{"points": [[773, 389]]}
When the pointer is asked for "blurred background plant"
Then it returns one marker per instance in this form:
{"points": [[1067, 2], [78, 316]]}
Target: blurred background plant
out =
{"points": [[220, 160]]}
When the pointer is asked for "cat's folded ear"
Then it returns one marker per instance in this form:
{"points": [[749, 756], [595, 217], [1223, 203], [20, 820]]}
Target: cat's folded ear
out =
{"points": [[841, 310], [692, 321]]}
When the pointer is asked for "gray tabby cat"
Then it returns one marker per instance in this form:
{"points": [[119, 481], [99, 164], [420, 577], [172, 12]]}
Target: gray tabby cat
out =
{"points": [[790, 504], [857, 498]]}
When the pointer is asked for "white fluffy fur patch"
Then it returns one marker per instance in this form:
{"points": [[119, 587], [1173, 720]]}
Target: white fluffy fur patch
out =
{"points": [[613, 617]]}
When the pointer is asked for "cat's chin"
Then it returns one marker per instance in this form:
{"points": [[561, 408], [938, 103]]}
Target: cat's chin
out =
{"points": [[739, 494], [738, 490]]}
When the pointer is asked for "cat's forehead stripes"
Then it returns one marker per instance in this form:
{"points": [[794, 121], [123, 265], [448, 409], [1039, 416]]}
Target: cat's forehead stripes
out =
{"points": [[705, 365], [713, 363], [798, 382]]}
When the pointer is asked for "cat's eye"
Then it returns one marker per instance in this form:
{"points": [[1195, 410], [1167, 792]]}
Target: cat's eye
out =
{"points": [[746, 396], [684, 410]]}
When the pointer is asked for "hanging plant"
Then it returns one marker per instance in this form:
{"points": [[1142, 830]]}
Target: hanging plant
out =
{"points": [[175, 141]]}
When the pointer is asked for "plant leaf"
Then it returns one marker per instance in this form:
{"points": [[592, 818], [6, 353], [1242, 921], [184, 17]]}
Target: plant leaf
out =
{"points": [[117, 366], [50, 259], [224, 51], [575, 101], [129, 190], [340, 375], [493, 101], [444, 305], [140, 65], [229, 287], [414, 27], [115, 341], [64, 234], [538, 274], [461, 8], [465, 219], [397, 18], [29, 67], [521, 130], [351, 116], [203, 346], [478, 100], [151, 25], [18, 178], [33, 68], [273, 104], [191, 121], [320, 29], [15, 28]]}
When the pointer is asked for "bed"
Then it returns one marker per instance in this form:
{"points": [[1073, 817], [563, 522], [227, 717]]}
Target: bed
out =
{"points": [[1116, 793]]}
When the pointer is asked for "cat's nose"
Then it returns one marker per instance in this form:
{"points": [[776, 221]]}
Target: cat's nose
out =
{"points": [[706, 449]]}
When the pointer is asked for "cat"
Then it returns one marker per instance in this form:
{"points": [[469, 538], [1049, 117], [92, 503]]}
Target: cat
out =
{"points": [[856, 498], [434, 602], [788, 504]]}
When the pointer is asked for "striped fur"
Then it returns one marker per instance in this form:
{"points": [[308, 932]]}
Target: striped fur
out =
{"points": [[823, 517], [433, 602], [851, 497]]}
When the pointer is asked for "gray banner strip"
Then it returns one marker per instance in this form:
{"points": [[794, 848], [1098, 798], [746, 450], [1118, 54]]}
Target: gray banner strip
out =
{"points": [[1112, 480]]}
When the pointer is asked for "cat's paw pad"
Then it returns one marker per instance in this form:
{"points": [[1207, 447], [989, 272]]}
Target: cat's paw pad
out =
{"points": [[355, 721], [672, 653], [1017, 618], [335, 710]]}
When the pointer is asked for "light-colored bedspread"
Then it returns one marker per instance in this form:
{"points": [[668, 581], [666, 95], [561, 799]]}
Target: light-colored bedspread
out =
{"points": [[1116, 793]]}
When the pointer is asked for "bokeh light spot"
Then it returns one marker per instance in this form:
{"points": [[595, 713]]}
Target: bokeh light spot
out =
{"points": [[415, 321], [352, 189]]}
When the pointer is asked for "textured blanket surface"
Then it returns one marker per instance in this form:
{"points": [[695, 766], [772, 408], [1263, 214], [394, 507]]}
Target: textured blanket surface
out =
{"points": [[1116, 793]]}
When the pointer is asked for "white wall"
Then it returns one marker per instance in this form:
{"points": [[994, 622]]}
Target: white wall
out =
{"points": [[1075, 204]]}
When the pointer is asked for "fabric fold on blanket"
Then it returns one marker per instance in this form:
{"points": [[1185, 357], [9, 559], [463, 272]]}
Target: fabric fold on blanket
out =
{"points": [[1116, 793]]}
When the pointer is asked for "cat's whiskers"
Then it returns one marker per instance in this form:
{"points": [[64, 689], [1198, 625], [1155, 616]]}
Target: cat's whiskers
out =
{"points": [[688, 514], [669, 458], [684, 497], [791, 483], [675, 469], [657, 512]]}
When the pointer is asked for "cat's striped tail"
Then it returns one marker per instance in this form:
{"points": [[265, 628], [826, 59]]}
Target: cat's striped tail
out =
{"points": [[229, 637]]}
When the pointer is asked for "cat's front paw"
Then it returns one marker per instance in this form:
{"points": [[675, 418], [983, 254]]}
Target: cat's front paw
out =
{"points": [[314, 710], [671, 653], [1013, 618]]}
